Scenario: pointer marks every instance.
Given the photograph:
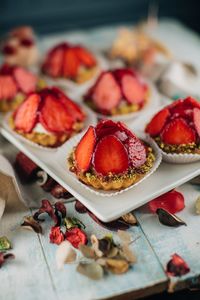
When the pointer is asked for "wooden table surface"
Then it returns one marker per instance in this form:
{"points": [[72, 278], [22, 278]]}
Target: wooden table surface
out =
{"points": [[33, 274]]}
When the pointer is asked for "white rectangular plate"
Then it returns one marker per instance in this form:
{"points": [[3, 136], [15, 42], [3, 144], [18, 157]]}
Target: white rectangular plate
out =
{"points": [[107, 209]]}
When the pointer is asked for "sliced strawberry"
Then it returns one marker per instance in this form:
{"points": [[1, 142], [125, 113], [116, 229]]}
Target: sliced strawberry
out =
{"points": [[110, 156], [178, 132], [107, 93], [84, 56], [172, 201], [158, 122], [6, 69], [132, 89], [72, 108], [53, 115], [84, 150], [8, 88], [54, 62], [106, 127], [196, 117], [120, 73], [26, 115], [26, 80], [137, 152], [193, 102], [70, 64]]}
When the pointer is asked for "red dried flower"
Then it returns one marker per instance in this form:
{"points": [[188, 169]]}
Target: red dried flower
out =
{"points": [[177, 266], [76, 237], [46, 207], [172, 201], [60, 208], [56, 236], [4, 257]]}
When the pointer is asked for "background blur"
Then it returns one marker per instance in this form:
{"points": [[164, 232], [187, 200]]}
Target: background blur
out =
{"points": [[58, 15]]}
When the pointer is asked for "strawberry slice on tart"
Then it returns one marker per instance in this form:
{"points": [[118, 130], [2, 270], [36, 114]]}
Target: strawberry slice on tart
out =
{"points": [[110, 157], [69, 61], [15, 83], [117, 92], [45, 118], [176, 128]]}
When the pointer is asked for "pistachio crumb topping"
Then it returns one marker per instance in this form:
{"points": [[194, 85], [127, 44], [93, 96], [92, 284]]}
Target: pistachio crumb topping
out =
{"points": [[191, 148]]}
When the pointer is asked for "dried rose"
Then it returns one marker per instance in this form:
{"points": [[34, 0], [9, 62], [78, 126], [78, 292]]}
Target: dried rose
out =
{"points": [[92, 270], [65, 254], [46, 208], [5, 244], [177, 266], [80, 208], [76, 237], [56, 236], [172, 201], [30, 223], [4, 257]]}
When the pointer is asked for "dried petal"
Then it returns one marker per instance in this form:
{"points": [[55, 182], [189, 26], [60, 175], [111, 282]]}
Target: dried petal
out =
{"points": [[31, 224], [73, 222], [76, 237], [87, 252], [5, 244], [42, 177], [56, 236], [60, 207], [49, 184], [129, 219], [197, 206], [46, 208], [26, 168], [168, 219], [124, 236], [4, 257], [105, 245], [59, 192], [177, 266], [92, 270], [95, 245], [80, 208], [113, 252], [65, 254], [117, 266], [128, 254]]}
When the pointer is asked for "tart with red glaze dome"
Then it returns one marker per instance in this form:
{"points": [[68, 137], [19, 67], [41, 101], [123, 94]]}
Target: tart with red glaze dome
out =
{"points": [[15, 83], [48, 118], [72, 62], [111, 157], [176, 128], [117, 92]]}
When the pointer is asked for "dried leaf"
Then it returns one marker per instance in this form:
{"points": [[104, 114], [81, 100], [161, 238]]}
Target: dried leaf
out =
{"points": [[87, 252], [197, 206], [169, 219], [65, 254], [31, 224], [5, 244], [129, 218], [4, 257], [117, 266], [124, 236], [177, 266], [73, 222], [92, 270], [46, 208], [128, 254]]}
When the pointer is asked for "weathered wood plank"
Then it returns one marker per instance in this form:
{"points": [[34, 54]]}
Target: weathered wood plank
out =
{"points": [[184, 240]]}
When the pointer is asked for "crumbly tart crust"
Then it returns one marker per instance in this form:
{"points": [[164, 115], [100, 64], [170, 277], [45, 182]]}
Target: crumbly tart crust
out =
{"points": [[113, 182], [48, 140], [123, 109], [8, 105], [85, 74], [191, 148]]}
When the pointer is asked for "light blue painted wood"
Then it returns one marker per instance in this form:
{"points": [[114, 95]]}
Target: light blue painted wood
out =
{"points": [[184, 240]]}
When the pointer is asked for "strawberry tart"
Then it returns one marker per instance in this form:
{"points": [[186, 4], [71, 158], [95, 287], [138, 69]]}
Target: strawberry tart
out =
{"points": [[110, 157], [47, 118], [117, 92], [176, 128], [15, 83], [72, 62]]}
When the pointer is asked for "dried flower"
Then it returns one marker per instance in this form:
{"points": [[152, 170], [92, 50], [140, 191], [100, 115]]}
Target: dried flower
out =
{"points": [[168, 219], [65, 254], [117, 266], [80, 208], [31, 224], [4, 257], [92, 270], [114, 225], [5, 244], [26, 168], [46, 208], [177, 266], [60, 192], [56, 236], [76, 237], [87, 251]]}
